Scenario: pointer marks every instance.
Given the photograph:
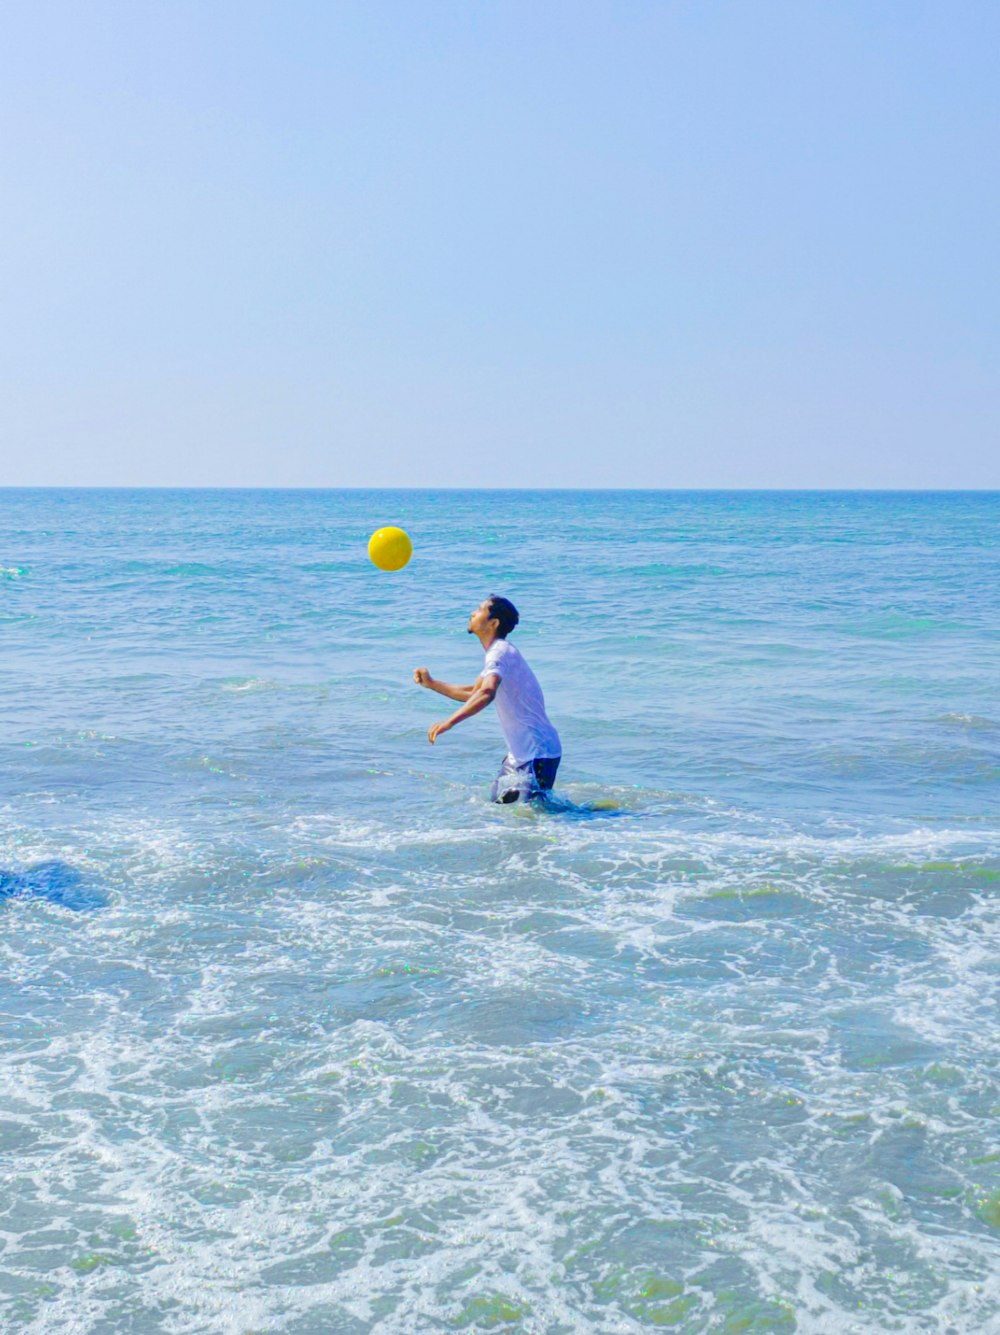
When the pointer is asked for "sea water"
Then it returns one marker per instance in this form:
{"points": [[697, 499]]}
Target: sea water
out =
{"points": [[299, 1033]]}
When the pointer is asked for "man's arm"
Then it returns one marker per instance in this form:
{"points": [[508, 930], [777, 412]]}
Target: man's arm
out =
{"points": [[482, 695], [460, 693]]}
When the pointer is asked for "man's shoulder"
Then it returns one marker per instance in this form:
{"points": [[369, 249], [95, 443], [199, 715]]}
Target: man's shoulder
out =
{"points": [[500, 651]]}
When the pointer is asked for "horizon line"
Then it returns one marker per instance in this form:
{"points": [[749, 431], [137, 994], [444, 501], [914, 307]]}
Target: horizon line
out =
{"points": [[222, 487]]}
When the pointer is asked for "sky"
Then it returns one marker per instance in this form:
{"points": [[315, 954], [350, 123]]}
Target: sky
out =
{"points": [[451, 243]]}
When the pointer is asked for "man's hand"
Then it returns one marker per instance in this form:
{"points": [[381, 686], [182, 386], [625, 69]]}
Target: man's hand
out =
{"points": [[476, 699], [422, 677]]}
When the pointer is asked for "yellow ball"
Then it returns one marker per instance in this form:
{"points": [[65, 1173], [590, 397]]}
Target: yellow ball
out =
{"points": [[390, 548]]}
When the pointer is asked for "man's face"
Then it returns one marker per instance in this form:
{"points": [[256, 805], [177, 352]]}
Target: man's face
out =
{"points": [[480, 619]]}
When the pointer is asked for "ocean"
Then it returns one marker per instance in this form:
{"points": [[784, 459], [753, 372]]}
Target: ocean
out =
{"points": [[299, 1034]]}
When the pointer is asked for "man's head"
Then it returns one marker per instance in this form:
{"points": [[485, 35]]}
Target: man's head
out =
{"points": [[494, 618]]}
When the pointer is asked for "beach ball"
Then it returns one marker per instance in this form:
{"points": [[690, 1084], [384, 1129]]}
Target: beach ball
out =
{"points": [[390, 548]]}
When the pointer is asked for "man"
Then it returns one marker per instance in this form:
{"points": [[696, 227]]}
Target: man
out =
{"points": [[533, 747]]}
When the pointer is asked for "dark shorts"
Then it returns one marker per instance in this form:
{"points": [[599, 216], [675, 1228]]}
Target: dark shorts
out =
{"points": [[521, 783]]}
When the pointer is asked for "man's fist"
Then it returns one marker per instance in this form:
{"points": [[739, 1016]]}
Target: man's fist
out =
{"points": [[422, 677]]}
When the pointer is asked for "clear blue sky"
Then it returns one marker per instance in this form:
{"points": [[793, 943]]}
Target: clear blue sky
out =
{"points": [[432, 243]]}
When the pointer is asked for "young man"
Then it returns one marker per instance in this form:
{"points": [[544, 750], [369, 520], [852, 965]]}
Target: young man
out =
{"points": [[533, 747]]}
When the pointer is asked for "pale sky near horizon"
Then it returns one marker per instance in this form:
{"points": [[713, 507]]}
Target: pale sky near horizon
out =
{"points": [[432, 243]]}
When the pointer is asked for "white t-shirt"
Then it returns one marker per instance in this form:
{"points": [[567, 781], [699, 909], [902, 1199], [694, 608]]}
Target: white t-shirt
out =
{"points": [[520, 706]]}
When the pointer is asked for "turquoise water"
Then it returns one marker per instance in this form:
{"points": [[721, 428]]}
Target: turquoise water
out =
{"points": [[299, 1034]]}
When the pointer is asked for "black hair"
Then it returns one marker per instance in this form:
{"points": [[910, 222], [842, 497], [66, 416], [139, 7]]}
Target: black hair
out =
{"points": [[505, 612]]}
